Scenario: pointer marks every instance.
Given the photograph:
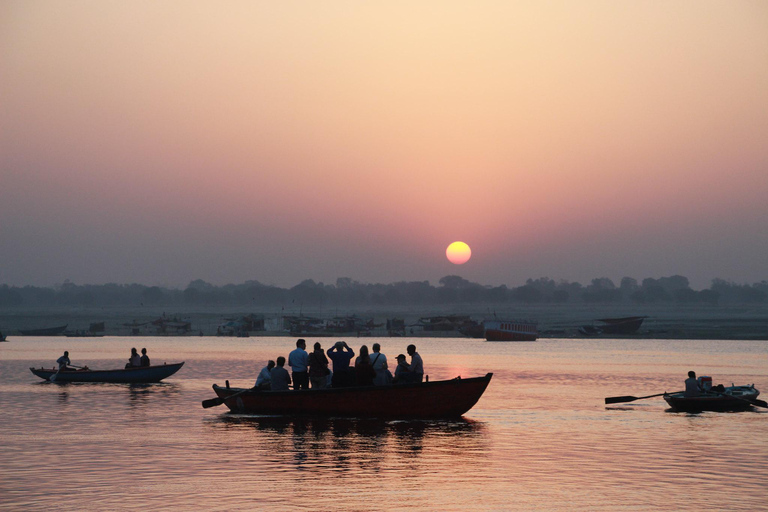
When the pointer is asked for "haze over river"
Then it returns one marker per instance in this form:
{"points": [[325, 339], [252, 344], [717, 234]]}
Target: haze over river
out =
{"points": [[540, 438]]}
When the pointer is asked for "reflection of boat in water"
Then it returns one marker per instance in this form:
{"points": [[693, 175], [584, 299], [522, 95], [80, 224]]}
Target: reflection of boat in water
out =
{"points": [[625, 325], [424, 400], [136, 375], [734, 398], [510, 330], [48, 331]]}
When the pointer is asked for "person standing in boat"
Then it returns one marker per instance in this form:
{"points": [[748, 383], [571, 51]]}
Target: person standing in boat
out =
{"points": [[298, 360], [691, 385], [144, 360], [64, 362], [318, 367], [341, 355], [264, 380], [416, 369], [279, 377], [379, 363]]}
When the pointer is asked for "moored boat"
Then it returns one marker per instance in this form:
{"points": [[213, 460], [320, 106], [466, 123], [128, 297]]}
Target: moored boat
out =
{"points": [[734, 398], [135, 375], [48, 331], [424, 400], [510, 330]]}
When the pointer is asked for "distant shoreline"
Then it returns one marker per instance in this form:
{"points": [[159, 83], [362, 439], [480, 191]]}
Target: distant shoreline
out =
{"points": [[731, 322]]}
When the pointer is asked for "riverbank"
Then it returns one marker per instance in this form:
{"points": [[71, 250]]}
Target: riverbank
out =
{"points": [[669, 321]]}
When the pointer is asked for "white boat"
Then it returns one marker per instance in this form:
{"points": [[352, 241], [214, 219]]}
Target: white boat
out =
{"points": [[510, 330]]}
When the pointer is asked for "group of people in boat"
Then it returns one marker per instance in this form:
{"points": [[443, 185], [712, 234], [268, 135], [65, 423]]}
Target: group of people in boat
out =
{"points": [[134, 361], [320, 369]]}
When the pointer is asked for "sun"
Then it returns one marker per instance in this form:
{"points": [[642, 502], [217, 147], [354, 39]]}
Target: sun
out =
{"points": [[458, 253]]}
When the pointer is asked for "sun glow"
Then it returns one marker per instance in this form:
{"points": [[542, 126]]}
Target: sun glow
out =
{"points": [[458, 253]]}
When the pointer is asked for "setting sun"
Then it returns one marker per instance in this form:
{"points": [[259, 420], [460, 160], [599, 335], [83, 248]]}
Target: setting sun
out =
{"points": [[458, 253]]}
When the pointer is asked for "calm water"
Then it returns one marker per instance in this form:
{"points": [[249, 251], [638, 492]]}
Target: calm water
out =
{"points": [[540, 438]]}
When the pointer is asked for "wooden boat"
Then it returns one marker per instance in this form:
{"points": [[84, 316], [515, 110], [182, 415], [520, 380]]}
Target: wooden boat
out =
{"points": [[626, 325], [734, 398], [48, 331], [137, 375], [424, 400], [510, 330]]}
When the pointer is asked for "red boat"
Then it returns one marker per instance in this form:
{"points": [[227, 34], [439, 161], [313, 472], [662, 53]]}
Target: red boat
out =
{"points": [[424, 400], [510, 330]]}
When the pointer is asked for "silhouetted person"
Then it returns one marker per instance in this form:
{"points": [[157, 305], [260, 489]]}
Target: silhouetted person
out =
{"points": [[401, 370], [135, 360], [692, 385], [64, 362], [264, 380], [297, 360], [318, 367], [144, 360], [279, 376], [416, 369], [379, 363], [364, 373], [341, 355]]}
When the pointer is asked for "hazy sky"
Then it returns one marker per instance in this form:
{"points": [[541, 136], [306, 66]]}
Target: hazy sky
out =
{"points": [[160, 142]]}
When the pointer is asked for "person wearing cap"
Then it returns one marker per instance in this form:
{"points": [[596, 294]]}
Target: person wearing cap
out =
{"points": [[401, 371], [341, 354], [298, 360]]}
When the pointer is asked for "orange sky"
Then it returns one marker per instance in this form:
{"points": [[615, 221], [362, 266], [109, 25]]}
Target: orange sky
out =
{"points": [[160, 142]]}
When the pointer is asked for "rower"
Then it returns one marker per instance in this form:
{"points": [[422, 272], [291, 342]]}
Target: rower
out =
{"points": [[691, 385]]}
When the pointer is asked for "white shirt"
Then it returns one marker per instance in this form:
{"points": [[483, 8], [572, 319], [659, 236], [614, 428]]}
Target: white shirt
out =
{"points": [[298, 360], [417, 365], [264, 376], [378, 361]]}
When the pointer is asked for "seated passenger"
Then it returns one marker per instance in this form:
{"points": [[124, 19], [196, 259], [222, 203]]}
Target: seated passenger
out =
{"points": [[144, 361], [135, 360], [264, 380], [279, 377], [401, 371], [691, 386]]}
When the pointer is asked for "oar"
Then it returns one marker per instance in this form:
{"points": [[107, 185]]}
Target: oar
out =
{"points": [[52, 378], [214, 402], [755, 402], [621, 399]]}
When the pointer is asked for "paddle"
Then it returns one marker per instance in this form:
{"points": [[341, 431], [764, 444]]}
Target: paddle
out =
{"points": [[214, 402], [52, 378], [755, 402], [621, 399]]}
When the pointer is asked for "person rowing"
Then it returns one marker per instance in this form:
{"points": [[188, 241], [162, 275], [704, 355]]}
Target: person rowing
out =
{"points": [[64, 363]]}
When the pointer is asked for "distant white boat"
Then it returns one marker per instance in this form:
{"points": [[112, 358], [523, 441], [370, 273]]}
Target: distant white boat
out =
{"points": [[510, 330]]}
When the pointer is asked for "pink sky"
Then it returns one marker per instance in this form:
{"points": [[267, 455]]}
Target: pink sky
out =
{"points": [[160, 142]]}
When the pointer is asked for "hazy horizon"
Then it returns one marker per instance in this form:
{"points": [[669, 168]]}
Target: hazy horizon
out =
{"points": [[159, 143]]}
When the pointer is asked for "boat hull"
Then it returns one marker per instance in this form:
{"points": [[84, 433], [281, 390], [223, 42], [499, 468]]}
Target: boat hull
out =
{"points": [[425, 400], [49, 331], [510, 330], [139, 375], [740, 400]]}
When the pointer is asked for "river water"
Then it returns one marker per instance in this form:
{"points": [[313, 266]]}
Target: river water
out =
{"points": [[540, 438]]}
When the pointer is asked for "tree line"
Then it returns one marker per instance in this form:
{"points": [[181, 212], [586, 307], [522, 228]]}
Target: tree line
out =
{"points": [[347, 292]]}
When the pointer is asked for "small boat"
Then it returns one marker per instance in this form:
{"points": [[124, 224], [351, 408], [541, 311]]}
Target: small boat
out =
{"points": [[510, 330], [626, 325], [734, 398], [48, 331], [423, 400], [135, 375]]}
